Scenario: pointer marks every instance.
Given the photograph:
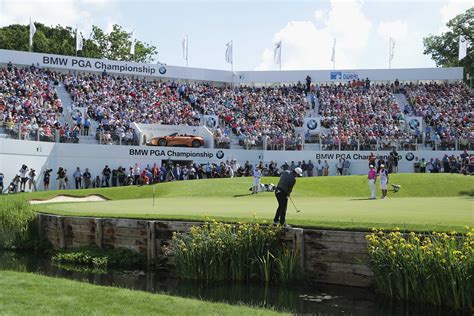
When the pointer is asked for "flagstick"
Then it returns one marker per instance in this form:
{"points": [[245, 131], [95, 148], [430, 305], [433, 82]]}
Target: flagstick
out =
{"points": [[280, 53], [389, 51]]}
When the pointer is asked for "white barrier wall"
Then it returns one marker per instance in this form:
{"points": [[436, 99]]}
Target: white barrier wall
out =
{"points": [[43, 155], [241, 77]]}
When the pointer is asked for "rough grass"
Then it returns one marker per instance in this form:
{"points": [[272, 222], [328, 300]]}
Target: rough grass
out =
{"points": [[30, 294]]}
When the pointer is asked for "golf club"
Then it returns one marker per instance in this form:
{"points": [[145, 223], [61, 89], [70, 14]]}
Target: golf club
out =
{"points": [[297, 210]]}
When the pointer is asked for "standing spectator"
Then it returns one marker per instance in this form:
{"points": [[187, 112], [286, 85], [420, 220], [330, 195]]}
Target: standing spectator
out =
{"points": [[339, 167], [304, 167], [257, 174], [310, 168], [87, 178], [136, 174], [192, 173], [106, 176], [77, 175], [325, 168], [2, 176], [394, 156], [422, 165], [114, 177], [66, 179], [61, 178], [319, 168], [383, 176], [96, 183], [47, 178], [372, 176], [345, 167], [31, 180], [372, 159], [23, 173]]}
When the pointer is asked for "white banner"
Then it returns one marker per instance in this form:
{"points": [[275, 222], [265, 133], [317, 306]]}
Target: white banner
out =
{"points": [[210, 121], [414, 123], [312, 125]]}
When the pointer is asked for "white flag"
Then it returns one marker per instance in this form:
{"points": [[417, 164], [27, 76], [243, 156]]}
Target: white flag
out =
{"points": [[462, 47], [78, 40], [132, 46], [277, 53], [32, 32], [391, 48], [228, 53], [185, 47], [333, 56]]}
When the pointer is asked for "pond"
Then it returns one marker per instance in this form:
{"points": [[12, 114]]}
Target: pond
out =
{"points": [[316, 299]]}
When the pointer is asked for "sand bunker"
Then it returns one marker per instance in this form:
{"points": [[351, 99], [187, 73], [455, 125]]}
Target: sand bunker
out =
{"points": [[65, 198]]}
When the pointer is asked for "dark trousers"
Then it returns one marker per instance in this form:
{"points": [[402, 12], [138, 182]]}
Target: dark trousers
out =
{"points": [[78, 183], [282, 198]]}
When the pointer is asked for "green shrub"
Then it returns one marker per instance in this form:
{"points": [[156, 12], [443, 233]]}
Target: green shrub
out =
{"points": [[98, 259], [436, 268], [217, 251], [16, 216]]}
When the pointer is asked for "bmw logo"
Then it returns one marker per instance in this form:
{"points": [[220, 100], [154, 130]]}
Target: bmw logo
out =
{"points": [[409, 156], [220, 154], [414, 124], [162, 70], [312, 124]]}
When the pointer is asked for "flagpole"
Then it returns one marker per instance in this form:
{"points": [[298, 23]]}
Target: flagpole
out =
{"points": [[389, 52], [187, 52], [281, 44]]}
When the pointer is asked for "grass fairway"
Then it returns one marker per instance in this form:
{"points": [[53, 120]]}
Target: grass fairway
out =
{"points": [[30, 294], [426, 202]]}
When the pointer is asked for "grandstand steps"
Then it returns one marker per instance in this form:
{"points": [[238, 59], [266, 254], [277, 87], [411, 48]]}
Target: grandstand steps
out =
{"points": [[402, 101], [88, 140], [66, 101], [311, 146], [234, 142]]}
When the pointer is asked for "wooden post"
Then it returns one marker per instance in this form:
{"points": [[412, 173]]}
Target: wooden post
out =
{"points": [[98, 232], [298, 245], [39, 219], [61, 232], [151, 241]]}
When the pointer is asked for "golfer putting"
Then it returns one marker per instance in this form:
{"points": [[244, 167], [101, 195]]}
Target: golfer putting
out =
{"points": [[282, 192]]}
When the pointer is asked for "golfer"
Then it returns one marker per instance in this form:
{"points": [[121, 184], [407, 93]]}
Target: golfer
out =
{"points": [[257, 174], [383, 176], [372, 176], [283, 191]]}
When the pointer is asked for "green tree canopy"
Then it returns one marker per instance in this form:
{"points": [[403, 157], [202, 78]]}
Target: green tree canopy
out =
{"points": [[62, 41], [444, 48]]}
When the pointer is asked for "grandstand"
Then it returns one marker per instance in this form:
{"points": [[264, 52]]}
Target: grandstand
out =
{"points": [[413, 110]]}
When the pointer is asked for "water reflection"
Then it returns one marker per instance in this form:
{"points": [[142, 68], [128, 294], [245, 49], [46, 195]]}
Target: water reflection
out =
{"points": [[316, 300]]}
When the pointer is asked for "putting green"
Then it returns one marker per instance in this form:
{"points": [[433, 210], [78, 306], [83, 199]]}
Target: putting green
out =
{"points": [[433, 213]]}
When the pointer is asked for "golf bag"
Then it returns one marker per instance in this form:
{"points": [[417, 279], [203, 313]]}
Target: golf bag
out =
{"points": [[265, 188], [396, 187]]}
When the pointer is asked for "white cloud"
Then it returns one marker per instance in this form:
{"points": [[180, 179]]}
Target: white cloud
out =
{"points": [[451, 9], [395, 29], [307, 46], [319, 14], [63, 12]]}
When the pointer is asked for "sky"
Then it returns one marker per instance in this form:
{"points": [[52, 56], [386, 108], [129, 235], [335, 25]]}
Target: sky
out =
{"points": [[307, 29]]}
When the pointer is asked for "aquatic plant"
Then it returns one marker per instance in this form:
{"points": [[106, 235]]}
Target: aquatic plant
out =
{"points": [[436, 268]]}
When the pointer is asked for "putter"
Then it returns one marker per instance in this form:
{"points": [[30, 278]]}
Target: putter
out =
{"points": [[297, 210]]}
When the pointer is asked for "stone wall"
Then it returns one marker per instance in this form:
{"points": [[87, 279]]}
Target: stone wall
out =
{"points": [[336, 257]]}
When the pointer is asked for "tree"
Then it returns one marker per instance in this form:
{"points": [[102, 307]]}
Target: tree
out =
{"points": [[444, 48], [62, 41]]}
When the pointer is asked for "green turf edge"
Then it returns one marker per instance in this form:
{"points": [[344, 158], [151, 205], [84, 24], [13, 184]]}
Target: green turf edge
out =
{"points": [[32, 294]]}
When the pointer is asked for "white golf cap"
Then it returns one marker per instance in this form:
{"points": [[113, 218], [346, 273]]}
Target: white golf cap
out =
{"points": [[382, 166], [299, 171]]}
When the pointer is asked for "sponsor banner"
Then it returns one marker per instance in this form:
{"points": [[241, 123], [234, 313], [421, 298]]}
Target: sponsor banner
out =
{"points": [[210, 121], [312, 125], [413, 123], [344, 75]]}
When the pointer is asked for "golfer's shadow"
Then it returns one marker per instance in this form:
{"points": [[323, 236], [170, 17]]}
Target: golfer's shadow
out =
{"points": [[364, 199], [241, 195]]}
